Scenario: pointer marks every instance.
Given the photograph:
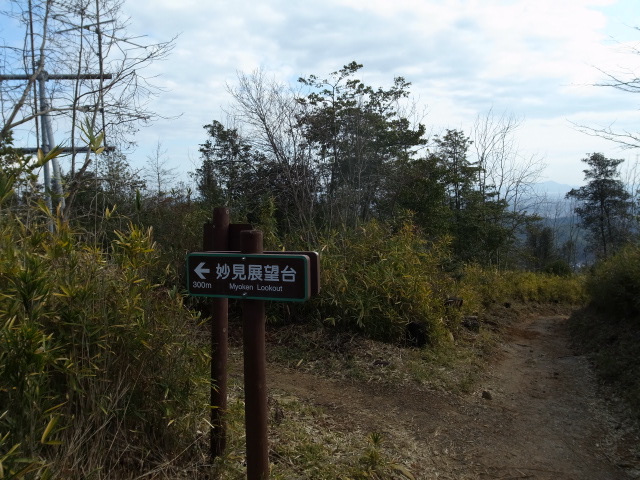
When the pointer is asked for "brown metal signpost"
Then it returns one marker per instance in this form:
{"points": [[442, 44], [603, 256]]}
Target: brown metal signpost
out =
{"points": [[255, 374], [220, 236], [219, 341], [253, 276]]}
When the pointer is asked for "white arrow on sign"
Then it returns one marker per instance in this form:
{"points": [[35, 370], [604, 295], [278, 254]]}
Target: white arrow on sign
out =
{"points": [[200, 270]]}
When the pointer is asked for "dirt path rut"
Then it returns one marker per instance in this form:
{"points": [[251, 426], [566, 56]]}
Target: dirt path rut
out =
{"points": [[537, 414]]}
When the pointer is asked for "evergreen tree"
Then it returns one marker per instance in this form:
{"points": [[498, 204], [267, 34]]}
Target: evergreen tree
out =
{"points": [[604, 205], [113, 184], [235, 174], [17, 180], [540, 246], [357, 134], [226, 163], [418, 185], [476, 217]]}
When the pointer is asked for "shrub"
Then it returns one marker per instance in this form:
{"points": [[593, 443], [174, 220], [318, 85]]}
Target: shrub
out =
{"points": [[614, 286], [96, 362], [558, 267], [483, 286], [378, 279]]}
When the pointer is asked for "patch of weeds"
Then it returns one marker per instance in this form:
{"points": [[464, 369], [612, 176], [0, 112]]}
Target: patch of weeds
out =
{"points": [[375, 463], [232, 465], [456, 366], [309, 445], [304, 443], [453, 370]]}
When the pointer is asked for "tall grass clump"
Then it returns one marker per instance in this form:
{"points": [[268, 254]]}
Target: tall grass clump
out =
{"points": [[379, 278], [483, 286], [100, 372], [490, 286], [541, 287]]}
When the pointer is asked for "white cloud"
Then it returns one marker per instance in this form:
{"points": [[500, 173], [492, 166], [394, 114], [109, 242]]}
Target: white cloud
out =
{"points": [[463, 57]]}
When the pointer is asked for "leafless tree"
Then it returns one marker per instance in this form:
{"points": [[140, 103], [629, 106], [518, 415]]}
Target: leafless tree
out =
{"points": [[501, 164], [267, 113], [158, 173], [92, 68], [503, 169]]}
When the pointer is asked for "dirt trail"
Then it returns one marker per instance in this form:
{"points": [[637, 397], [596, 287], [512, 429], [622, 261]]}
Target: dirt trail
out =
{"points": [[536, 415]]}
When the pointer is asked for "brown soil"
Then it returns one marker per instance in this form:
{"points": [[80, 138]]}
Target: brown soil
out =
{"points": [[536, 414]]}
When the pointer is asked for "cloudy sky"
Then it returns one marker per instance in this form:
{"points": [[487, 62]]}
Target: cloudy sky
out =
{"points": [[535, 59]]}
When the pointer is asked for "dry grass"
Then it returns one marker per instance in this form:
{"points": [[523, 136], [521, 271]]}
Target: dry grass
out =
{"points": [[313, 441], [452, 365]]}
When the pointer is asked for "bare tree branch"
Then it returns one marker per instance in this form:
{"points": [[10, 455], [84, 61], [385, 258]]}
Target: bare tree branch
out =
{"points": [[626, 81]]}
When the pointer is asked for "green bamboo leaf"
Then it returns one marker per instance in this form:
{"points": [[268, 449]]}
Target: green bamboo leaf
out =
{"points": [[54, 408], [53, 153], [50, 426], [32, 466], [108, 212], [40, 156], [13, 449], [6, 187]]}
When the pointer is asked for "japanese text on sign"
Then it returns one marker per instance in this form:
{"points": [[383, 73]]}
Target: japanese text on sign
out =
{"points": [[283, 277], [266, 273]]}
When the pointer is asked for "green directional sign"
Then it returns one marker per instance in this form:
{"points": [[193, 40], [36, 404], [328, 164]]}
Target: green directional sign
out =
{"points": [[279, 277]]}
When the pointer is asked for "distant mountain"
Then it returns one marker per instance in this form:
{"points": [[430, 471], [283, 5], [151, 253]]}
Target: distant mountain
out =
{"points": [[547, 199], [553, 189]]}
